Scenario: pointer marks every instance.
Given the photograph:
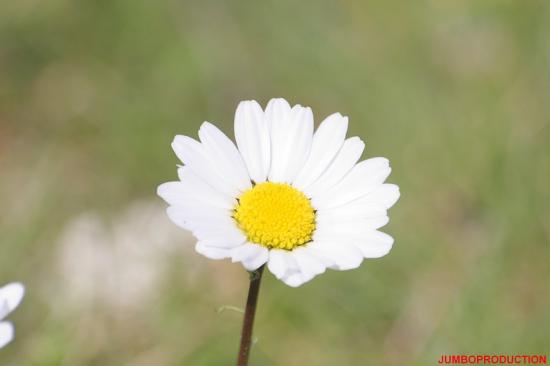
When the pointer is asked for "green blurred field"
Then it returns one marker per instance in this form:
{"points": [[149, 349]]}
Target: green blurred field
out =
{"points": [[455, 94]]}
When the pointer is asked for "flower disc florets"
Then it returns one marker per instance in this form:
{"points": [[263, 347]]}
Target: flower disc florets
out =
{"points": [[275, 215]]}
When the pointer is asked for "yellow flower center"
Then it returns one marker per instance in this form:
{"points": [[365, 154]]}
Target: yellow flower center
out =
{"points": [[275, 215]]}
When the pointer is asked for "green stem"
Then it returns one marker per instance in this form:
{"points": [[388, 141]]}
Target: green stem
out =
{"points": [[250, 311]]}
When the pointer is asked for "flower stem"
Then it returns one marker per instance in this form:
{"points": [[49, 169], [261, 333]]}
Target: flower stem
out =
{"points": [[250, 311]]}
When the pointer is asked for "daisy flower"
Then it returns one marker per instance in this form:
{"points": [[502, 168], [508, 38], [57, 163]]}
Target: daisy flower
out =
{"points": [[10, 297], [285, 195]]}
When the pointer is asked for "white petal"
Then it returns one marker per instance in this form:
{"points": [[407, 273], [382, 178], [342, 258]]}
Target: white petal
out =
{"points": [[346, 159], [212, 252], [202, 191], [277, 111], [6, 333], [295, 279], [180, 194], [214, 229], [362, 179], [193, 155], [348, 230], [244, 251], [252, 136], [343, 255], [384, 195], [276, 262], [281, 263], [308, 263], [10, 297], [177, 217], [193, 215], [291, 138], [251, 255], [375, 245], [349, 212], [224, 155], [327, 141], [218, 236], [199, 213], [296, 267], [172, 193], [255, 263], [372, 205]]}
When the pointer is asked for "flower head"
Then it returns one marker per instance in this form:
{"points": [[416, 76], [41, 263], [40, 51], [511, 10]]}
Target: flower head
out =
{"points": [[287, 196], [10, 297]]}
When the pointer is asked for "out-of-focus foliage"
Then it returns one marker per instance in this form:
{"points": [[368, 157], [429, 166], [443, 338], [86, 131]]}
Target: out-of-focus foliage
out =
{"points": [[456, 94]]}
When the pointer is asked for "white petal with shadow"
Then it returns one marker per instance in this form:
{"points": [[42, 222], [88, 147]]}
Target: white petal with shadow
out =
{"points": [[365, 177], [327, 141], [212, 252], [344, 161], [374, 245], [6, 333], [251, 255], [10, 297], [194, 156], [253, 141], [224, 156], [342, 255], [291, 138]]}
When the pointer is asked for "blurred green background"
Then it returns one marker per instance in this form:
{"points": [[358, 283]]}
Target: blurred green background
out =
{"points": [[455, 94]]}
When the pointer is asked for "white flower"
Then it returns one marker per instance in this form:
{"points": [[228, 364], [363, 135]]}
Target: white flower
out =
{"points": [[10, 297], [295, 199]]}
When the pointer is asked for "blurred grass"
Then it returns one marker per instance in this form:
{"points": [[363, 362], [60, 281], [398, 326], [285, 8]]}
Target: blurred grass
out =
{"points": [[454, 93]]}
